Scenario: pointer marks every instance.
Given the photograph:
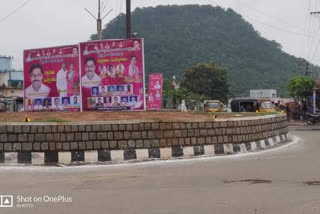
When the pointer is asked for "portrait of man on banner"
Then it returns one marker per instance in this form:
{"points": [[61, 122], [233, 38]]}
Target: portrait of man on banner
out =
{"points": [[37, 89], [90, 78]]}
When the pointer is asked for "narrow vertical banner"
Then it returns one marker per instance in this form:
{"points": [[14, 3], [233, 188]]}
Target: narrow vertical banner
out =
{"points": [[52, 79], [155, 91], [112, 75]]}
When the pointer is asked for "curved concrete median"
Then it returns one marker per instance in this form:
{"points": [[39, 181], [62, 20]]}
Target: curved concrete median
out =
{"points": [[116, 141]]}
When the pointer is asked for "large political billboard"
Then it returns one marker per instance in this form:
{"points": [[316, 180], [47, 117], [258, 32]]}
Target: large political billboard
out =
{"points": [[51, 79], [155, 91], [112, 75]]}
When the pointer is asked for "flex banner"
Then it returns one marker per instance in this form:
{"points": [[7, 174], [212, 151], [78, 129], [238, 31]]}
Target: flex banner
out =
{"points": [[155, 91], [51, 79], [112, 75]]}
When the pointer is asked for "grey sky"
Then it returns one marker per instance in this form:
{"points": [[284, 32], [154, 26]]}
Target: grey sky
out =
{"points": [[45, 23]]}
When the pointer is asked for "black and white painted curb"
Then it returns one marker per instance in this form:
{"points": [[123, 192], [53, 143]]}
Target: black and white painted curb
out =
{"points": [[116, 156]]}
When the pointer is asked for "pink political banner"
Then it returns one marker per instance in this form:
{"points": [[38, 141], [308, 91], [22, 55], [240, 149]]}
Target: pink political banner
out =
{"points": [[155, 91], [112, 75], [51, 79]]}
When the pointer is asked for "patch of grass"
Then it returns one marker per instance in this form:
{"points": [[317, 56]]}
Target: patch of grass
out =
{"points": [[244, 114], [257, 114], [52, 120]]}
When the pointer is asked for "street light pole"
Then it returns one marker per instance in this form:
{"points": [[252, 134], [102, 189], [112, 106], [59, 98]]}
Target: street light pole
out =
{"points": [[99, 19]]}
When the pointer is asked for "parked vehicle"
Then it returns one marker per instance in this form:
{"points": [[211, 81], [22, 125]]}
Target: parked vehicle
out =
{"points": [[266, 105], [213, 106], [313, 118], [244, 104]]}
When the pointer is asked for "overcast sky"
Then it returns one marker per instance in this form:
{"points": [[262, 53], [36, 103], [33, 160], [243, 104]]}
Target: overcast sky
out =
{"points": [[43, 23]]}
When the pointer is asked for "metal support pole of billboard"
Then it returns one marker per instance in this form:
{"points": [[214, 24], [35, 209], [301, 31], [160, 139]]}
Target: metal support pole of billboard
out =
{"points": [[99, 19], [128, 19]]}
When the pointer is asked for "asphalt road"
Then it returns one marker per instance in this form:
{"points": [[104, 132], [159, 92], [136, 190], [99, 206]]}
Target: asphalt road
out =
{"points": [[285, 180]]}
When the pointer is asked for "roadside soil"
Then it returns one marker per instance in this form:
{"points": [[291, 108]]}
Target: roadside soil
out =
{"points": [[101, 116], [164, 116]]}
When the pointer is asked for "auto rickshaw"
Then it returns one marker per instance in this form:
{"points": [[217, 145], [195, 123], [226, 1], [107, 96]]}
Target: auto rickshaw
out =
{"points": [[266, 105], [213, 106]]}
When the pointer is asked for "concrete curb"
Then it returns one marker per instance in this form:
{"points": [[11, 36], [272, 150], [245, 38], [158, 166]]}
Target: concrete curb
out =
{"points": [[132, 154], [305, 128]]}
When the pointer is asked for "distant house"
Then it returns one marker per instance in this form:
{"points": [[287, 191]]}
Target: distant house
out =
{"points": [[11, 92], [11, 85], [263, 93]]}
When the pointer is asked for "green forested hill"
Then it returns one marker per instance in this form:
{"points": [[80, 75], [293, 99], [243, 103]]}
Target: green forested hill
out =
{"points": [[177, 37]]}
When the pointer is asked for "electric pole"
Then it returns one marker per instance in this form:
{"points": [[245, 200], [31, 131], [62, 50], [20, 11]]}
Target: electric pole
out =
{"points": [[300, 62], [128, 19], [308, 72], [99, 19]]}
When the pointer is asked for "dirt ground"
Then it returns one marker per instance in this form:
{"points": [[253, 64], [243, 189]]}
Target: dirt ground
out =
{"points": [[101, 116], [113, 116]]}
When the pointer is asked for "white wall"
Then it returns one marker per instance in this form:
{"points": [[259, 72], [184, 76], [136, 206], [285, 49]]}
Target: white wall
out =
{"points": [[4, 77], [263, 93], [5, 63]]}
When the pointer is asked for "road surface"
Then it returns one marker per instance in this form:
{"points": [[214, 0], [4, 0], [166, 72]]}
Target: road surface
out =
{"points": [[285, 180]]}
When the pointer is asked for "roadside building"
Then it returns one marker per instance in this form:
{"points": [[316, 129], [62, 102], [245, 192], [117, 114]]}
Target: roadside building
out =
{"points": [[11, 86], [263, 93]]}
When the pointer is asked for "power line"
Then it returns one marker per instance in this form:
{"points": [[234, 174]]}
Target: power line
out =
{"points": [[14, 11], [309, 41], [313, 40], [315, 52], [278, 28], [269, 25], [305, 29], [268, 15]]}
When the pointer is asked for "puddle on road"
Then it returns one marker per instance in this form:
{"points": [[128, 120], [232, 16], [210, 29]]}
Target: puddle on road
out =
{"points": [[251, 181], [312, 183]]}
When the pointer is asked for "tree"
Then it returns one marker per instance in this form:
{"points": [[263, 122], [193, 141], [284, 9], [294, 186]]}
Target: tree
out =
{"points": [[208, 80], [168, 92], [299, 84], [167, 89], [184, 94]]}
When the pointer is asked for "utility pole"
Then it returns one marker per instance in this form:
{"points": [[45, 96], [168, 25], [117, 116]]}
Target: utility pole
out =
{"points": [[300, 63], [128, 19], [99, 19], [314, 93], [308, 72]]}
